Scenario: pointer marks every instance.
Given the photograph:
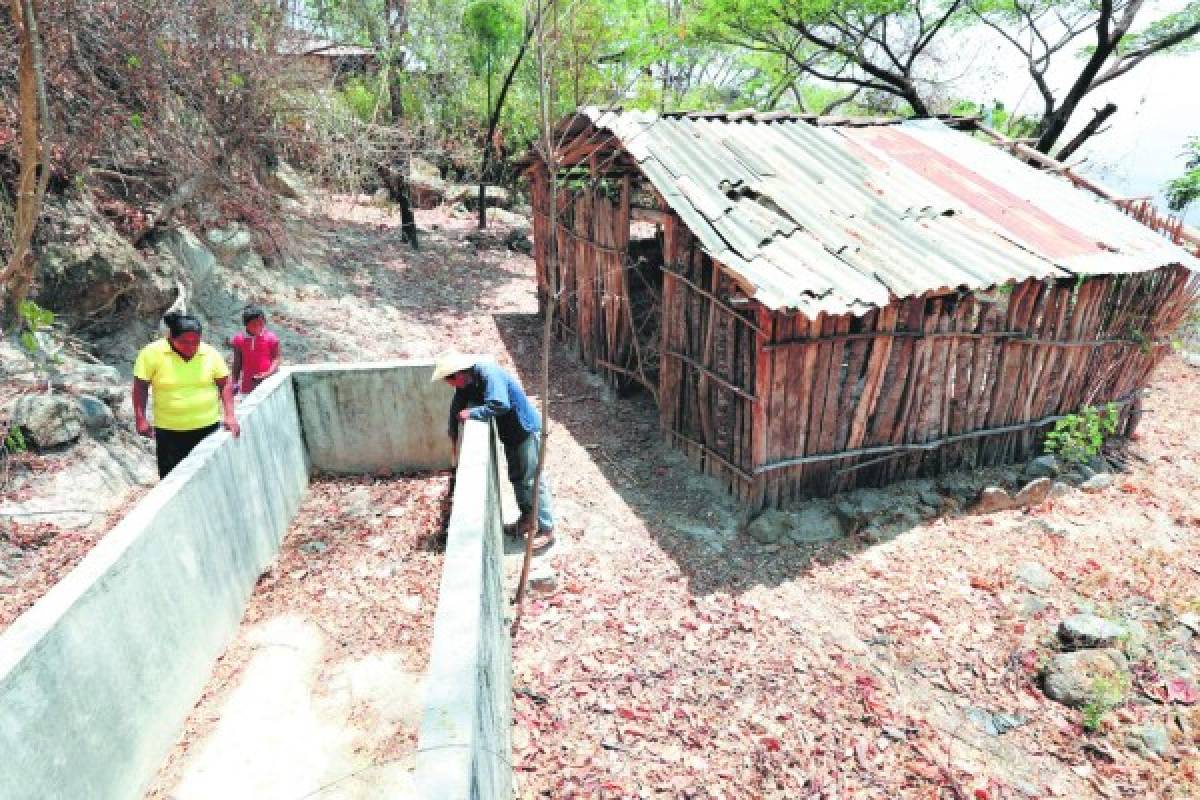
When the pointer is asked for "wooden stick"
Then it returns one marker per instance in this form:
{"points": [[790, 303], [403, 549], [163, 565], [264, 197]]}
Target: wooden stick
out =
{"points": [[920, 446]]}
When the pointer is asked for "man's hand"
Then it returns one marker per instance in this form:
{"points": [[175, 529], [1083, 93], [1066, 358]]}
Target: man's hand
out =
{"points": [[231, 425], [144, 428], [464, 415]]}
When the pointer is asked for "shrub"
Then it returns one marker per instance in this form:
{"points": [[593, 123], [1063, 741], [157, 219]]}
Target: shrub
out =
{"points": [[1077, 438]]}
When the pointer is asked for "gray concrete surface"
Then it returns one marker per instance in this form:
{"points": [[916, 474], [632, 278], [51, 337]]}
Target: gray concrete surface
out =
{"points": [[98, 676], [465, 747], [368, 417]]}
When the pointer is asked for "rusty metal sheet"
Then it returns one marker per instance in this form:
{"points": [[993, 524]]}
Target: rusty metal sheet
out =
{"points": [[838, 219]]}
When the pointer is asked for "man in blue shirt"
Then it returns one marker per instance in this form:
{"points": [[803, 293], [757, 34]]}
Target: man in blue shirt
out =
{"points": [[483, 391]]}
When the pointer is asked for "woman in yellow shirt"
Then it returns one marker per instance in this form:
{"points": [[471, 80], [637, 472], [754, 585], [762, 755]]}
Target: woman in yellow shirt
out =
{"points": [[191, 387]]}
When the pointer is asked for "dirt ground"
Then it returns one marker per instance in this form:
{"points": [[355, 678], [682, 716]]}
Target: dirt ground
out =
{"points": [[319, 695], [679, 658]]}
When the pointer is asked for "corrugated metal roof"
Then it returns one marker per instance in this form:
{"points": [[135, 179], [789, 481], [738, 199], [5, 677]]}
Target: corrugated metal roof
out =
{"points": [[839, 219]]}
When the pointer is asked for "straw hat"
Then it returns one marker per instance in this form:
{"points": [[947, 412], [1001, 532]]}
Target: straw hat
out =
{"points": [[449, 363]]}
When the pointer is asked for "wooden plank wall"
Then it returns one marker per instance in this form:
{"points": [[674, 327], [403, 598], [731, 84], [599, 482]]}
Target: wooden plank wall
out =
{"points": [[927, 369], [588, 282], [780, 407], [707, 373]]}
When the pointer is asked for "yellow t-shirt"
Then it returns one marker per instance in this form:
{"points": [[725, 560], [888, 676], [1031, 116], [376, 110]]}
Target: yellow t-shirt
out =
{"points": [[185, 392]]}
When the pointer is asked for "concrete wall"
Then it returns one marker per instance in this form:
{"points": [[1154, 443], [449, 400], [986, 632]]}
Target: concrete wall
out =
{"points": [[97, 678], [363, 418], [465, 748]]}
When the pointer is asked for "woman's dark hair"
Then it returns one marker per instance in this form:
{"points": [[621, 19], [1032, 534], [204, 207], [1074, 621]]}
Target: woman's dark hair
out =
{"points": [[179, 323], [252, 312]]}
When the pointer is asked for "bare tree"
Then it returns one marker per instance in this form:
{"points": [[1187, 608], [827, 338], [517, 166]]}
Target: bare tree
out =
{"points": [[863, 46], [1043, 30]]}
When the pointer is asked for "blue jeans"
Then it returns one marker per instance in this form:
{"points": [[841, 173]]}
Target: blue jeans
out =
{"points": [[522, 467]]}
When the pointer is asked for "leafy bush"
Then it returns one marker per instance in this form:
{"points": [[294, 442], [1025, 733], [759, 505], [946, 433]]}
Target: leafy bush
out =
{"points": [[36, 319], [1077, 438], [1107, 694], [360, 99]]}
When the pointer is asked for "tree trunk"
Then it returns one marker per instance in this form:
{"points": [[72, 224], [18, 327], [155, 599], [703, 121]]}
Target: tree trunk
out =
{"points": [[17, 277], [494, 119], [1055, 123], [1089, 130]]}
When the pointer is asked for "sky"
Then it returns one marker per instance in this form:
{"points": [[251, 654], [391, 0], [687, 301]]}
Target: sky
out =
{"points": [[1158, 110]]}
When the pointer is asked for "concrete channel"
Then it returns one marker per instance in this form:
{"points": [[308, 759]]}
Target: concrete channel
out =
{"points": [[98, 677]]}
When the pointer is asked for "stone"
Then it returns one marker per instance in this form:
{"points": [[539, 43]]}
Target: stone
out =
{"points": [[1152, 738], [94, 269], [357, 502], [861, 506], [932, 498], [1059, 489], [995, 723], [518, 241], [1034, 575], [1080, 631], [97, 417], [770, 527], [1052, 528], [1098, 482], [316, 546], [198, 262], [1043, 467], [1033, 493], [230, 241], [287, 182], [1031, 605], [1099, 465], [494, 196], [543, 579], [991, 499], [1085, 676], [47, 420], [94, 373], [817, 522]]}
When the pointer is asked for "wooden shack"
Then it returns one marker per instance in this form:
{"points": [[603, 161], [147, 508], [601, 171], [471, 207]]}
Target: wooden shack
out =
{"points": [[817, 305]]}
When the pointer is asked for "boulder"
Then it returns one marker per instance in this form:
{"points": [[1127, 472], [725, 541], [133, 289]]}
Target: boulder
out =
{"points": [[860, 506], [518, 241], [1080, 631], [1149, 739], [47, 420], [494, 196], [230, 241], [382, 196], [1086, 676], [1034, 575], [91, 268], [198, 262], [1098, 482], [1043, 467], [817, 522], [286, 182], [426, 189], [993, 498], [770, 527], [97, 417], [1034, 493]]}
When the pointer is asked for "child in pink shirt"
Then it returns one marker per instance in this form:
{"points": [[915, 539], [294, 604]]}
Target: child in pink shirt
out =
{"points": [[255, 352]]}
